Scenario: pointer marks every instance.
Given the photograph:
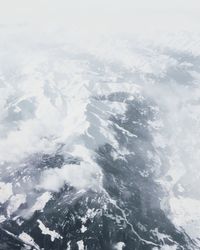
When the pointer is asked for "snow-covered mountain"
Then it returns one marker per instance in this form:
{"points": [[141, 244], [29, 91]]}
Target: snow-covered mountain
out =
{"points": [[99, 144]]}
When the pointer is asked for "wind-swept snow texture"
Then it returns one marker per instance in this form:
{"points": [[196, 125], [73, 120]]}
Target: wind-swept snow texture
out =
{"points": [[99, 134]]}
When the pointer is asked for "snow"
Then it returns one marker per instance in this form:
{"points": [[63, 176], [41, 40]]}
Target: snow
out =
{"points": [[186, 213], [45, 230], [166, 247], [68, 245], [83, 229], [26, 238], [17, 109], [2, 218], [80, 245], [90, 214], [119, 246]]}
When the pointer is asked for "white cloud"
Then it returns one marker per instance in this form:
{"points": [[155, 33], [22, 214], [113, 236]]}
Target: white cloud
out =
{"points": [[5, 191], [83, 176], [102, 16]]}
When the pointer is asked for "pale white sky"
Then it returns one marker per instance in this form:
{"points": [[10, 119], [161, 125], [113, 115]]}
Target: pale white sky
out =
{"points": [[102, 15]]}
